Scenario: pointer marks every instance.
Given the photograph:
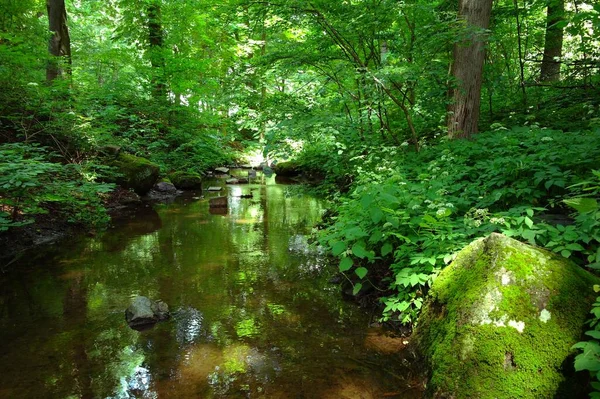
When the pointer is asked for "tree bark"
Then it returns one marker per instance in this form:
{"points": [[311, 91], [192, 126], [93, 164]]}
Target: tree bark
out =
{"points": [[157, 60], [550, 71], [467, 68], [59, 44]]}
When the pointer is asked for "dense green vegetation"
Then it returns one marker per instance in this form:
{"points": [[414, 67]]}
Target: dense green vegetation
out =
{"points": [[373, 97]]}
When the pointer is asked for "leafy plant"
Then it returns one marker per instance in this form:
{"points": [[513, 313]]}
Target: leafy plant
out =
{"points": [[589, 358], [30, 185], [408, 213]]}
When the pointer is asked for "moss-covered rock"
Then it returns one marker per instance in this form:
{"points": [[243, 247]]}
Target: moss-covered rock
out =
{"points": [[186, 180], [137, 173], [501, 320], [287, 169]]}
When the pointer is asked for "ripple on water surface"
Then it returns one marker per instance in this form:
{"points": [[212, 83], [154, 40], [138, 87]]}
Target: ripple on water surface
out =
{"points": [[253, 316]]}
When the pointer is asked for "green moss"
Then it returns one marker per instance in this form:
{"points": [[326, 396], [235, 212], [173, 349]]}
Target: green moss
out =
{"points": [[287, 169], [137, 173], [469, 331], [186, 180]]}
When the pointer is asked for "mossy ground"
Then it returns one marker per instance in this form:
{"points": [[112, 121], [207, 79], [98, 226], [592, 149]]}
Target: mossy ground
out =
{"points": [[470, 331]]}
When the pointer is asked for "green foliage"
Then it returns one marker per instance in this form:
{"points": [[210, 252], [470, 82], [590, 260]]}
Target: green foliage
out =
{"points": [[30, 185], [413, 211], [577, 238], [589, 357]]}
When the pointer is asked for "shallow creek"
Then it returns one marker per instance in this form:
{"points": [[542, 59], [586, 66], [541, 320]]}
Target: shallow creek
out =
{"points": [[253, 317]]}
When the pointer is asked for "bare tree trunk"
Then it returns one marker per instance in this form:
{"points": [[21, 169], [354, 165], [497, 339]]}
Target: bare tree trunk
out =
{"points": [[550, 71], [263, 85], [157, 60], [467, 68], [59, 44], [521, 59]]}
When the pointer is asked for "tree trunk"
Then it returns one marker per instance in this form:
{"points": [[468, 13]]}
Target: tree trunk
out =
{"points": [[554, 40], [157, 60], [467, 68], [59, 44]]}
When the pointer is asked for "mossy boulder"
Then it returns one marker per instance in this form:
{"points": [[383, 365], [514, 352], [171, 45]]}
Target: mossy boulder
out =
{"points": [[501, 320], [186, 180], [287, 169], [137, 173]]}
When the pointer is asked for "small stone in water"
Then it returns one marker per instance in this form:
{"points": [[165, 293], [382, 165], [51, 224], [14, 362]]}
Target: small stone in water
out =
{"points": [[143, 312]]}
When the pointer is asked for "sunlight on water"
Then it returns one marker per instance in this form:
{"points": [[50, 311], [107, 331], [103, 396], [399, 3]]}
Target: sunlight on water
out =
{"points": [[252, 314]]}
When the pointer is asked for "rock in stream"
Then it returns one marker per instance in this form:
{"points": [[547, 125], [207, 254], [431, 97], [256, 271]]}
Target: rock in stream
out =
{"points": [[143, 313]]}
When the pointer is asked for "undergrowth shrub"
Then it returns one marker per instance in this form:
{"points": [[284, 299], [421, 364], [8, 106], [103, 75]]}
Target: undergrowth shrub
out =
{"points": [[589, 357], [31, 185], [412, 212]]}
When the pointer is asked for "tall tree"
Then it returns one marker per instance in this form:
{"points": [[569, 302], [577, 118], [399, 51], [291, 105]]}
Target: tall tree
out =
{"points": [[59, 45], [156, 50], [550, 71], [467, 68]]}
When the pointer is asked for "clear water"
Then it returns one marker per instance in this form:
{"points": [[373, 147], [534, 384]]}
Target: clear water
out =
{"points": [[253, 317]]}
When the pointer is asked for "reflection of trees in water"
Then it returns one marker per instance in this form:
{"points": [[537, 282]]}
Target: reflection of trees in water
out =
{"points": [[247, 320], [243, 369], [75, 310], [143, 222]]}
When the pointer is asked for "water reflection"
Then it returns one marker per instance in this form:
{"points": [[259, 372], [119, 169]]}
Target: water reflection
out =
{"points": [[252, 315], [188, 324]]}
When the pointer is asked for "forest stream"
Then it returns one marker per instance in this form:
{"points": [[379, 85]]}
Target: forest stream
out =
{"points": [[253, 316]]}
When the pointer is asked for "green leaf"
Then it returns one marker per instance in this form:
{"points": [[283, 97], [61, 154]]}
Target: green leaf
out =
{"points": [[595, 265], [414, 279], [402, 306], [366, 201], [529, 222], [588, 360], [530, 213], [529, 235], [565, 253], [338, 248], [575, 247], [376, 215], [361, 272], [386, 249], [429, 219], [358, 249], [419, 303], [354, 233], [582, 205], [389, 198], [357, 288], [346, 264], [376, 236], [593, 333]]}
